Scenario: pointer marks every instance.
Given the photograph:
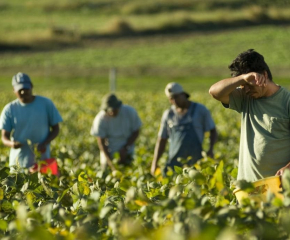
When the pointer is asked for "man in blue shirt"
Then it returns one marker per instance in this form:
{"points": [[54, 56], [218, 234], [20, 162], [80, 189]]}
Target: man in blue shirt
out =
{"points": [[28, 122], [184, 124]]}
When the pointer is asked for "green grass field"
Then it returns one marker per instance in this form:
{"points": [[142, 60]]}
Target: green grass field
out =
{"points": [[29, 44], [187, 57]]}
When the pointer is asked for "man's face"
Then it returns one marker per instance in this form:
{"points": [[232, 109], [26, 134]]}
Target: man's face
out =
{"points": [[254, 91], [24, 95], [113, 112], [179, 100]]}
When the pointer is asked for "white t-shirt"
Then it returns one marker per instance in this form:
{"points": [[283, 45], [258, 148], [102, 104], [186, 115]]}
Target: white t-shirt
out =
{"points": [[117, 129]]}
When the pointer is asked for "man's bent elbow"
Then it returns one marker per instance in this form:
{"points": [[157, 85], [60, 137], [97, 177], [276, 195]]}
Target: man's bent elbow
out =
{"points": [[219, 96], [212, 91], [55, 129]]}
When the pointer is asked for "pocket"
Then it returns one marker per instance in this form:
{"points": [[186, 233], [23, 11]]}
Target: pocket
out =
{"points": [[279, 127]]}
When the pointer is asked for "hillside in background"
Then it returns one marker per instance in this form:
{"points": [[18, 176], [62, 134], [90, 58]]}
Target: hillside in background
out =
{"points": [[154, 39]]}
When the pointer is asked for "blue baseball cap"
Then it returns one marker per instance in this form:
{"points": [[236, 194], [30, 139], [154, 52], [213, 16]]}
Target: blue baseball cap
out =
{"points": [[21, 81]]}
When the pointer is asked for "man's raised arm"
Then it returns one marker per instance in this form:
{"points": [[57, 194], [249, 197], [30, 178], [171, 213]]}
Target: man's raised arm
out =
{"points": [[222, 89]]}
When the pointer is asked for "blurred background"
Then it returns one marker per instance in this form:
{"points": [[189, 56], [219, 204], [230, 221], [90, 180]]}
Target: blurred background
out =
{"points": [[77, 43]]}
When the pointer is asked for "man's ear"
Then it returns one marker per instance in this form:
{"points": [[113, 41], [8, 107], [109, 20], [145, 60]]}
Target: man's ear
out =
{"points": [[266, 74]]}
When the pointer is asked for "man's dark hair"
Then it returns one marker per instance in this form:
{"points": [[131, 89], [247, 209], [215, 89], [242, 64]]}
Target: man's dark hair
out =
{"points": [[249, 61]]}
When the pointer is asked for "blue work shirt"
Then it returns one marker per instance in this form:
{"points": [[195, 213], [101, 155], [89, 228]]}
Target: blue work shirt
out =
{"points": [[185, 131], [30, 125]]}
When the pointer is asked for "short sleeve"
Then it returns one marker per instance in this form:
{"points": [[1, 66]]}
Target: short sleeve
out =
{"points": [[98, 128], [6, 119], [163, 131], [208, 121], [236, 99], [136, 123], [54, 115]]}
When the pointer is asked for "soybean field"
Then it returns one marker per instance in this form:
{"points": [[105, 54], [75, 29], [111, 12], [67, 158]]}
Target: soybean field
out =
{"points": [[86, 202]]}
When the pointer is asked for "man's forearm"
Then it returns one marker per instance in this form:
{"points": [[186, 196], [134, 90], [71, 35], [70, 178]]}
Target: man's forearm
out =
{"points": [[159, 149], [52, 134], [212, 138], [7, 142], [223, 88], [132, 138], [103, 147], [5, 137]]}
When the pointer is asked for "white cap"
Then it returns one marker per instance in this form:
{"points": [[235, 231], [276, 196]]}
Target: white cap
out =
{"points": [[174, 88]]}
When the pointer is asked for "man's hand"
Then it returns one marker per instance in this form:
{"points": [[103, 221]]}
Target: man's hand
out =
{"points": [[254, 78], [210, 153], [123, 155], [41, 147], [5, 137], [16, 145], [281, 171]]}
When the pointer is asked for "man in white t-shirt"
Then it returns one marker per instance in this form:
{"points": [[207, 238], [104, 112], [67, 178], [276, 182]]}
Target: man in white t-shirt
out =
{"points": [[116, 127]]}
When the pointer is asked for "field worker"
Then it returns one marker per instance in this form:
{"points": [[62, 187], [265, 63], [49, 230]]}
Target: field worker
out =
{"points": [[116, 127], [184, 124], [27, 122], [265, 116]]}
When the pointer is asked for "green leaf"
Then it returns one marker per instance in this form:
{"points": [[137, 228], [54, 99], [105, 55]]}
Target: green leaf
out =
{"points": [[245, 185], [24, 187], [189, 203], [83, 177], [105, 211], [217, 179], [87, 190], [1, 193], [197, 176], [4, 173], [125, 184], [75, 189], [153, 185], [178, 170], [131, 194], [3, 225], [209, 171], [175, 191], [40, 232], [33, 180], [7, 206], [234, 173], [95, 195], [61, 196], [221, 201]]}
